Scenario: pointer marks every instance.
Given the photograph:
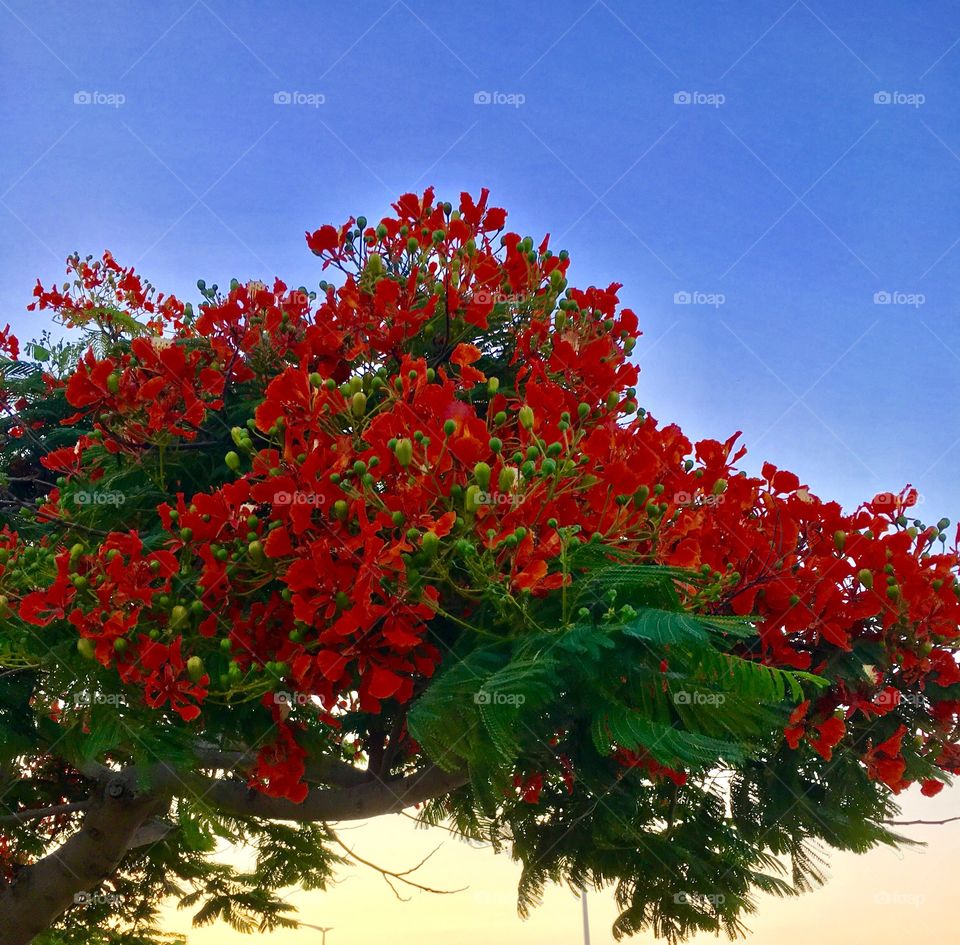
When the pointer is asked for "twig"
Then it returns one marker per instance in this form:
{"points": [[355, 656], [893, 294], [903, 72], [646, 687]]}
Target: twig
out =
{"points": [[402, 876], [910, 823]]}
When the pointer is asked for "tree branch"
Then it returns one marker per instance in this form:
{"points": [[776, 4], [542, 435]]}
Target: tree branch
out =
{"points": [[910, 823], [42, 892], [370, 799], [39, 813]]}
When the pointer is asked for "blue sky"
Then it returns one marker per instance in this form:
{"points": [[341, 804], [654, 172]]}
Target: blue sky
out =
{"points": [[782, 186], [802, 194]]}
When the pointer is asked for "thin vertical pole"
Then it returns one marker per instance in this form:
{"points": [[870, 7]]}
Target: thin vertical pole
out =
{"points": [[586, 915]]}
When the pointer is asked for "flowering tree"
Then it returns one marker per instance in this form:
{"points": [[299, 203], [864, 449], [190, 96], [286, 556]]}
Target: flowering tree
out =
{"points": [[292, 558]]}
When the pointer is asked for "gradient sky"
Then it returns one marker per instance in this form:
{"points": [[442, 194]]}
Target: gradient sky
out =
{"points": [[802, 193]]}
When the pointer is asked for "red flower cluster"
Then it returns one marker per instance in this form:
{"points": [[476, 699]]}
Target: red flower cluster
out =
{"points": [[449, 420]]}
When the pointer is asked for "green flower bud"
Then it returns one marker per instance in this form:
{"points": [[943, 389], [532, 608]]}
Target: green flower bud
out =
{"points": [[430, 543], [232, 460], [86, 648], [481, 472], [840, 539], [195, 668], [404, 452], [508, 476], [865, 577], [525, 416]]}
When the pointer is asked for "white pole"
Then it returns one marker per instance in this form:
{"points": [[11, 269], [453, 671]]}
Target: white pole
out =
{"points": [[586, 916]]}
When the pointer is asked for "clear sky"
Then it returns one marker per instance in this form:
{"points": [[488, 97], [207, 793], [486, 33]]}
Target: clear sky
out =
{"points": [[775, 184]]}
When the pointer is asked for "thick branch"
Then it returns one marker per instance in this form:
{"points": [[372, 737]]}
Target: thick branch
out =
{"points": [[40, 813], [41, 893], [370, 799]]}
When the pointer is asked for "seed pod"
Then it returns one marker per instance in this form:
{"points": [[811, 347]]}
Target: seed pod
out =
{"points": [[404, 452], [481, 472], [195, 668]]}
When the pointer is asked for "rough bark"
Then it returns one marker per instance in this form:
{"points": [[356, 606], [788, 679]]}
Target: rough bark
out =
{"points": [[42, 892], [119, 818]]}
